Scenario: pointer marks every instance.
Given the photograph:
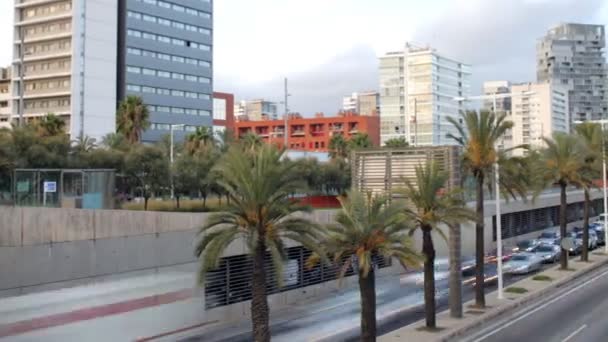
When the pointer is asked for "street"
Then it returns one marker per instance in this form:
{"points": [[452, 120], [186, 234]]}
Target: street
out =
{"points": [[575, 313]]}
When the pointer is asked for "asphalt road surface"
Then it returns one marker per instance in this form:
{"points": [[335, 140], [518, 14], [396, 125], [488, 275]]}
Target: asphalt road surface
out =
{"points": [[399, 303], [576, 313]]}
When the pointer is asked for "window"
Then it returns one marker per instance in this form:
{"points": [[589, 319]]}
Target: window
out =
{"points": [[149, 36], [179, 8], [191, 61], [176, 110], [149, 54], [134, 33], [178, 25], [164, 56], [164, 39], [149, 72], [135, 88], [203, 112], [204, 96], [164, 74], [178, 42], [204, 80], [163, 91], [164, 22], [164, 109], [178, 59], [134, 70], [177, 76], [150, 90], [149, 18], [133, 51], [178, 93], [191, 78], [191, 95]]}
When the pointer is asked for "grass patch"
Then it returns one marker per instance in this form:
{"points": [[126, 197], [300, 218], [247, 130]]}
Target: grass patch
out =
{"points": [[433, 330], [542, 277], [516, 290], [569, 269], [187, 206]]}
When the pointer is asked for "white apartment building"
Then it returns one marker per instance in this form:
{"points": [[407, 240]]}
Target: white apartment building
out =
{"points": [[538, 115], [365, 103], [255, 110], [5, 97], [66, 53], [417, 90]]}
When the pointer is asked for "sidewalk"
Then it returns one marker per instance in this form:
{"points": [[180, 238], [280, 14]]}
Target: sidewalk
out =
{"points": [[450, 328]]}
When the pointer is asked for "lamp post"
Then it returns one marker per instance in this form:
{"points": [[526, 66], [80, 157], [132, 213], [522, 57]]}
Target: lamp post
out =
{"points": [[605, 219], [172, 126], [494, 97]]}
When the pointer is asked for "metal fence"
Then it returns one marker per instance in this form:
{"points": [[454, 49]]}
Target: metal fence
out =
{"points": [[64, 188], [383, 170]]}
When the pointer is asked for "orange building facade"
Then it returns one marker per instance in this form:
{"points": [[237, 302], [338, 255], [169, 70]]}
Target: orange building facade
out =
{"points": [[312, 134]]}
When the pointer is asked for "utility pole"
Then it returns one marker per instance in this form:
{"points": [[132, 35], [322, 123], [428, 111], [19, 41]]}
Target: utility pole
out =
{"points": [[285, 130], [416, 122]]}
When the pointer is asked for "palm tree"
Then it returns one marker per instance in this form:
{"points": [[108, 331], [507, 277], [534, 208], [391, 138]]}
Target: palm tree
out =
{"points": [[368, 227], [199, 139], [338, 147], [251, 141], [260, 214], [50, 125], [84, 144], [562, 162], [429, 209], [360, 141], [478, 134], [132, 118], [396, 143], [114, 141]]}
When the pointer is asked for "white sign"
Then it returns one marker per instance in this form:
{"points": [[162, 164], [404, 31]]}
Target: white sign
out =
{"points": [[50, 186]]}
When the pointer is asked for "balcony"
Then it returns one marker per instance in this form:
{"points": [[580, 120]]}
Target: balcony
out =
{"points": [[298, 133]]}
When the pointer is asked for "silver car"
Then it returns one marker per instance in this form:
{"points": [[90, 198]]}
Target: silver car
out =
{"points": [[548, 253], [523, 263], [549, 237]]}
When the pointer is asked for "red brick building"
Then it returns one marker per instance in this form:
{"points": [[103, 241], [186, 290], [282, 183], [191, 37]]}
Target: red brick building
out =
{"points": [[312, 134], [223, 110]]}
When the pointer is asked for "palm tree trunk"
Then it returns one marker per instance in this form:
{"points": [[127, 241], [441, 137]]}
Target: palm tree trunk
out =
{"points": [[177, 202], [146, 203], [205, 201], [259, 300], [585, 253], [455, 282], [480, 297], [429, 277], [562, 224], [367, 288]]}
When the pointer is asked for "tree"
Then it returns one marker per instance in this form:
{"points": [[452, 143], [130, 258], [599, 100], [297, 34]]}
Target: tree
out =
{"points": [[338, 147], [368, 227], [147, 169], [336, 177], [132, 118], [260, 213], [225, 139], [34, 151], [50, 125], [360, 141], [192, 173], [429, 209], [115, 141], [199, 139], [592, 138], [251, 141], [478, 134], [400, 142], [562, 162]]}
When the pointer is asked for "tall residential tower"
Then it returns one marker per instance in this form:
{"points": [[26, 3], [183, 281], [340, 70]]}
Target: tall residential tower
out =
{"points": [[572, 55], [65, 56], [417, 90]]}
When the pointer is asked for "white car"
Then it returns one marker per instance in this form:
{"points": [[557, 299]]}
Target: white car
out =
{"points": [[523, 263]]}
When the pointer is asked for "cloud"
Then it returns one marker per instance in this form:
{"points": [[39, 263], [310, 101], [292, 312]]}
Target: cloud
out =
{"points": [[318, 89], [499, 37]]}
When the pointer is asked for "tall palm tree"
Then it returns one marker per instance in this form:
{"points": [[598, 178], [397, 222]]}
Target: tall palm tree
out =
{"points": [[199, 139], [260, 214], [428, 208], [591, 136], [338, 147], [562, 162], [368, 227], [251, 141], [132, 118], [50, 125], [478, 134]]}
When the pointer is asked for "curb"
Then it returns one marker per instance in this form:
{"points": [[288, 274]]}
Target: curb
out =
{"points": [[492, 314]]}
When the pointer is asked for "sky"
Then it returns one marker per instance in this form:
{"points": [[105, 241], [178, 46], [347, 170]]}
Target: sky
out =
{"points": [[330, 48]]}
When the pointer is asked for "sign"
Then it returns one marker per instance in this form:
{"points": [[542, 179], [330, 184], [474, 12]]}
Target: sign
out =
{"points": [[23, 186], [568, 244], [50, 186]]}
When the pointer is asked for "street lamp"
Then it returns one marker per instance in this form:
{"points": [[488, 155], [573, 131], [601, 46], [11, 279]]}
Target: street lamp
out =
{"points": [[172, 126], [601, 123], [494, 97]]}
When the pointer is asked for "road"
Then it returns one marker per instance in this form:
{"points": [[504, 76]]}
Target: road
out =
{"points": [[578, 312], [399, 303]]}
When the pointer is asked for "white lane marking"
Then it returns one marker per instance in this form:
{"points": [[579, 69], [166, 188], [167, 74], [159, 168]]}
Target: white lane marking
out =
{"points": [[574, 333], [510, 323]]}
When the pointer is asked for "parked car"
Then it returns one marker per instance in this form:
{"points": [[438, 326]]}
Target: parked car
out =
{"points": [[548, 252], [550, 237], [523, 263], [578, 243], [598, 227], [592, 239], [526, 245], [492, 256]]}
